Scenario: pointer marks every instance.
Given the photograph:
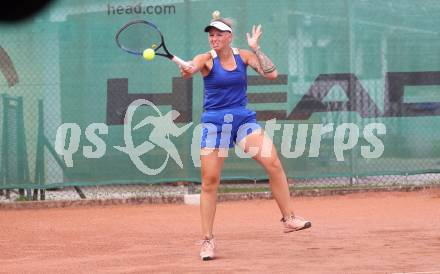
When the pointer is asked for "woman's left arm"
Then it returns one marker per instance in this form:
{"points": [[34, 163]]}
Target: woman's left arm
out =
{"points": [[257, 59]]}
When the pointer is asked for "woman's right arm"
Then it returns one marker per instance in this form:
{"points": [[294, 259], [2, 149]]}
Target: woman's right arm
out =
{"points": [[197, 64]]}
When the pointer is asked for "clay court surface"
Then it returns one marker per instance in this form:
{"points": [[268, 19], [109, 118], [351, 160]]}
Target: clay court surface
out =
{"points": [[389, 232]]}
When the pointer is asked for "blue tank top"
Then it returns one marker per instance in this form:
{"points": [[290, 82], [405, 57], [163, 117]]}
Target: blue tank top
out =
{"points": [[224, 88]]}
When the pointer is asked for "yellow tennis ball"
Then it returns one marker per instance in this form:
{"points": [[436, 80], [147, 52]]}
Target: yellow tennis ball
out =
{"points": [[149, 54]]}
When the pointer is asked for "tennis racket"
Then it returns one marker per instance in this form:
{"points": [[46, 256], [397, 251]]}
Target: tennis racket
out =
{"points": [[138, 35]]}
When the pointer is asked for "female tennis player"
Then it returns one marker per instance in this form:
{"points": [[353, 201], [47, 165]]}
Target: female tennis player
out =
{"points": [[224, 74]]}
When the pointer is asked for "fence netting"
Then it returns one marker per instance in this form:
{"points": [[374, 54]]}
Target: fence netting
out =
{"points": [[356, 102]]}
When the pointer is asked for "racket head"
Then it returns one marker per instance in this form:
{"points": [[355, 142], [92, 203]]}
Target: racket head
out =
{"points": [[137, 35]]}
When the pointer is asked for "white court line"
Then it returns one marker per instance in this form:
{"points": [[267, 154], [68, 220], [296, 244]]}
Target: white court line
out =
{"points": [[191, 199]]}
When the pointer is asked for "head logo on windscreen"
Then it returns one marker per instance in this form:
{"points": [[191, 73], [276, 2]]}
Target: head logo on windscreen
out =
{"points": [[163, 127]]}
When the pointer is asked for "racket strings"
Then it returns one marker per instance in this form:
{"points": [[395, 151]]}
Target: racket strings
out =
{"points": [[138, 37]]}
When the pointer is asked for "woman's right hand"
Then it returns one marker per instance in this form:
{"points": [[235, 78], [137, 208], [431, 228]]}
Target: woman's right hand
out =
{"points": [[187, 72]]}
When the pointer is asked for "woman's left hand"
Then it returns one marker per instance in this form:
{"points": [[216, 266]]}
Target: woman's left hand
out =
{"points": [[253, 39]]}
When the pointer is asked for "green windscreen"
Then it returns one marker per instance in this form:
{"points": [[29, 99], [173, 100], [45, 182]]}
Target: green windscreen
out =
{"points": [[358, 91]]}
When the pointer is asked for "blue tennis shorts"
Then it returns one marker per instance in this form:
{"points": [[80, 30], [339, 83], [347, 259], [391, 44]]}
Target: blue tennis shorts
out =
{"points": [[226, 127]]}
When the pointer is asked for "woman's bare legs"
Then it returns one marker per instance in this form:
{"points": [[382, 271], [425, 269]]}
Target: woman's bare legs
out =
{"points": [[268, 158], [211, 167]]}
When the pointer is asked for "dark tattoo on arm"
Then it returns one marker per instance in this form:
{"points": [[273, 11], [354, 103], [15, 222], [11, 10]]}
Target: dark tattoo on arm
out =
{"points": [[266, 64]]}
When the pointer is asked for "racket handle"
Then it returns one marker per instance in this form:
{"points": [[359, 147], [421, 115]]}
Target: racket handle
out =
{"points": [[180, 62]]}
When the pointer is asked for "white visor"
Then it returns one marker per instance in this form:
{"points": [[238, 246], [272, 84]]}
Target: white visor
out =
{"points": [[218, 25]]}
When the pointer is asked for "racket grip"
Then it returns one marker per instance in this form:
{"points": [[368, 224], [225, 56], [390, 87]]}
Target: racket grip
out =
{"points": [[180, 62]]}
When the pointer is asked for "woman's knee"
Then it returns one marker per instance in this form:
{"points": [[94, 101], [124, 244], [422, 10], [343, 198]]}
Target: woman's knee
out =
{"points": [[272, 164], [210, 183]]}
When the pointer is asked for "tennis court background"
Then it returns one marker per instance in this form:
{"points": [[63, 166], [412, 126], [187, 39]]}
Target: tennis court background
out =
{"points": [[66, 58]]}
